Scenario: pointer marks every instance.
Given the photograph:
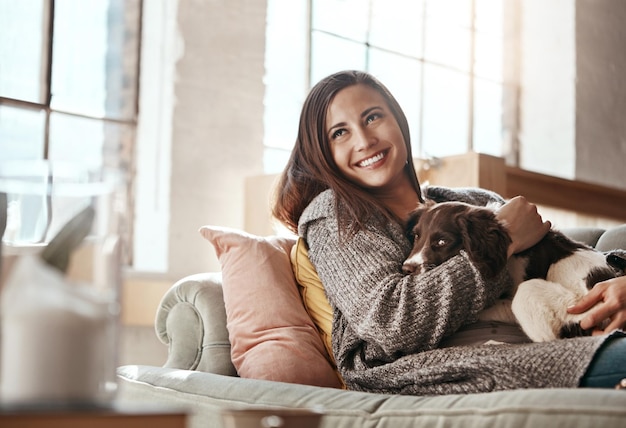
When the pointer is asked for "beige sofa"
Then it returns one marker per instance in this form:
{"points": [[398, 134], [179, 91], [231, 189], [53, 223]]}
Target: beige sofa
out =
{"points": [[200, 377]]}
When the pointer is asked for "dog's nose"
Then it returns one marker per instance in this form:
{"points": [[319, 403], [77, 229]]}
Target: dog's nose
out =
{"points": [[409, 268]]}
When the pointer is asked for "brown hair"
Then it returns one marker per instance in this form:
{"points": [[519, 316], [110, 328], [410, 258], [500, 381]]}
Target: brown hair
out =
{"points": [[311, 168]]}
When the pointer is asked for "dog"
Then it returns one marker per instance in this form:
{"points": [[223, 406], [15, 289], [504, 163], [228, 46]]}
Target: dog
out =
{"points": [[548, 277]]}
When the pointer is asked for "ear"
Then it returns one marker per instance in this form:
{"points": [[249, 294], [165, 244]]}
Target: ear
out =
{"points": [[486, 241], [414, 218]]}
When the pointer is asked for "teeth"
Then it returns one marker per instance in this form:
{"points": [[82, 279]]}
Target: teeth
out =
{"points": [[368, 162]]}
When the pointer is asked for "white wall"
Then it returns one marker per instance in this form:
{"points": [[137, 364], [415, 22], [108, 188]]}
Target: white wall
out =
{"points": [[201, 128], [547, 79], [601, 92]]}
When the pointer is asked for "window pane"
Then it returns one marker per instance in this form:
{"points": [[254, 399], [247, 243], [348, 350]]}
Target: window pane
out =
{"points": [[22, 50], [95, 55], [397, 26], [76, 139], [448, 45], [445, 116], [21, 133], [489, 61], [274, 160], [489, 17], [286, 62], [488, 117], [449, 12], [402, 76], [345, 18], [331, 54], [91, 142]]}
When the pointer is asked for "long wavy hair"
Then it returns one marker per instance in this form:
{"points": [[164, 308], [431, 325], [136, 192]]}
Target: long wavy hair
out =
{"points": [[311, 168]]}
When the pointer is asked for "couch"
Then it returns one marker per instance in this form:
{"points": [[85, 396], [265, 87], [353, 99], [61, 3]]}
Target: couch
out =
{"points": [[199, 376]]}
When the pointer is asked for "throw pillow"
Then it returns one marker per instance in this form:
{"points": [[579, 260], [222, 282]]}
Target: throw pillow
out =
{"points": [[272, 337]]}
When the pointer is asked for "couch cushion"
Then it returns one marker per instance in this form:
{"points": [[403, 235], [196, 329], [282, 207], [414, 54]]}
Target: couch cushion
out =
{"points": [[271, 334], [206, 394]]}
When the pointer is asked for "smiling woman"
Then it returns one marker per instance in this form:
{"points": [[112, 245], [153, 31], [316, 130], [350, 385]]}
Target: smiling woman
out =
{"points": [[366, 141], [362, 121]]}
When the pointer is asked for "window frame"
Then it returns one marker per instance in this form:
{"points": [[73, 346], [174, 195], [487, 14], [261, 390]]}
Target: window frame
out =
{"points": [[124, 158]]}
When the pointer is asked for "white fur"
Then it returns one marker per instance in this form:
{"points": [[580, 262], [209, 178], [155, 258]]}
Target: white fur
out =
{"points": [[418, 260], [540, 306], [500, 311], [574, 269]]}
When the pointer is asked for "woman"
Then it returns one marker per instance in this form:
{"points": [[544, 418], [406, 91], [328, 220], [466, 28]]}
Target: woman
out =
{"points": [[348, 187]]}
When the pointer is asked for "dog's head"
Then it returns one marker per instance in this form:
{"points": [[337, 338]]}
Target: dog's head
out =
{"points": [[617, 260], [441, 231]]}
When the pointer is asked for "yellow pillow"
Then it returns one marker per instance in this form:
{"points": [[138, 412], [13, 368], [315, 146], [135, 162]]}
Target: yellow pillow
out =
{"points": [[313, 295]]}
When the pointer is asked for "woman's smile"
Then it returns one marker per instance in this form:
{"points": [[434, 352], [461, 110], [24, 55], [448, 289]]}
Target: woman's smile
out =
{"points": [[373, 161], [365, 139]]}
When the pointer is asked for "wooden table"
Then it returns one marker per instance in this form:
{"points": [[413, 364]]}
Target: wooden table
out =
{"points": [[117, 418]]}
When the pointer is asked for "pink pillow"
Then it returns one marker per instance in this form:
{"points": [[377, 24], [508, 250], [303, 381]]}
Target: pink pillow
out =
{"points": [[272, 337]]}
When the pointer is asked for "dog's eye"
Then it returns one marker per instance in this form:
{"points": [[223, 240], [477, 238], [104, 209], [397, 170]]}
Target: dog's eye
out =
{"points": [[441, 242]]}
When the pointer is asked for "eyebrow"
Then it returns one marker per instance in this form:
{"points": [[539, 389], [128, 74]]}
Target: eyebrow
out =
{"points": [[363, 114]]}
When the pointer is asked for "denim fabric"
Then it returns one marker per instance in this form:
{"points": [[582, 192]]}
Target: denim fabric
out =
{"points": [[608, 367]]}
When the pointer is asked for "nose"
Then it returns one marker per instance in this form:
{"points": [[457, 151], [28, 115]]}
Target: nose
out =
{"points": [[364, 139], [409, 268]]}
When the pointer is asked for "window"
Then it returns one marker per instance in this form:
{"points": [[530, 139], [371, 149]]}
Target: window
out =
{"points": [[442, 59], [69, 81]]}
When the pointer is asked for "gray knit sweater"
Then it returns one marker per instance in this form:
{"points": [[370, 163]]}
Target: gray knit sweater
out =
{"points": [[388, 328]]}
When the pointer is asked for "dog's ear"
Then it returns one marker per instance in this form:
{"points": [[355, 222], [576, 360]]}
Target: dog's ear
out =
{"points": [[414, 218], [485, 240]]}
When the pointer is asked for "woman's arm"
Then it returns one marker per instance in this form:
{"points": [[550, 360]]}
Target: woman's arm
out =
{"points": [[524, 224], [390, 311]]}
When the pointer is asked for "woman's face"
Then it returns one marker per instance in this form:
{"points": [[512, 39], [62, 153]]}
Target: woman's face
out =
{"points": [[365, 140]]}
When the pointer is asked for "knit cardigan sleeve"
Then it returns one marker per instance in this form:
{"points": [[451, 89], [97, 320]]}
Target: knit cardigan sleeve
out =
{"points": [[379, 312]]}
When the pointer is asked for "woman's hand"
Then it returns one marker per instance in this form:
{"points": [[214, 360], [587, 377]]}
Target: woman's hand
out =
{"points": [[608, 300], [524, 224]]}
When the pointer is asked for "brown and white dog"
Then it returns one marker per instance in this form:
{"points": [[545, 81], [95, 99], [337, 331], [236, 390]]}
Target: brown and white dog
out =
{"points": [[549, 277]]}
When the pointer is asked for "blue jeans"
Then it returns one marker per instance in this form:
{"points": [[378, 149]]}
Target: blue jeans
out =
{"points": [[608, 367]]}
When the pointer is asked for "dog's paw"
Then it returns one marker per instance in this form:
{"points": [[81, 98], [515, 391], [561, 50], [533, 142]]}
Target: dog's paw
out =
{"points": [[621, 384], [573, 330]]}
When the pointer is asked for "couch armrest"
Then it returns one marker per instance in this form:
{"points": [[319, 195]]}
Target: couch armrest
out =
{"points": [[191, 320], [612, 238]]}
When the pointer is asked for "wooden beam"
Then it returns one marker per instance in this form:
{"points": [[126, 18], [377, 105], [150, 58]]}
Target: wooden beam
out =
{"points": [[490, 172], [569, 195]]}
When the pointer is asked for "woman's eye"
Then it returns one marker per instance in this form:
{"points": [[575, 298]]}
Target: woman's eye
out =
{"points": [[338, 133], [372, 117]]}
